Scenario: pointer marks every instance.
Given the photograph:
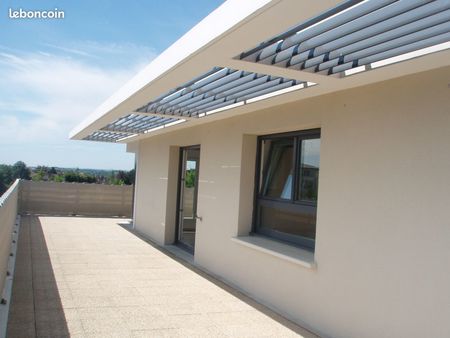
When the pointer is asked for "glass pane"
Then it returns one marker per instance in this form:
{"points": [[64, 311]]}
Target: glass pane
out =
{"points": [[279, 221], [309, 170], [190, 180], [277, 166], [189, 192]]}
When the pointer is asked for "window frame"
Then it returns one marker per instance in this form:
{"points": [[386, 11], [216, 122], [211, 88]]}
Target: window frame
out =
{"points": [[284, 204]]}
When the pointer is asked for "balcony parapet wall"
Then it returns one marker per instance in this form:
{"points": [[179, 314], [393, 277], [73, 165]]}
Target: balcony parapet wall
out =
{"points": [[54, 198], [8, 212]]}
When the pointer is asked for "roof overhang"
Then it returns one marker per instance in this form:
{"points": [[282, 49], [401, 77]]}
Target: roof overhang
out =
{"points": [[232, 38]]}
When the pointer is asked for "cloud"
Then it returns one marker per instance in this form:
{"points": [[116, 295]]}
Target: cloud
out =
{"points": [[44, 94], [95, 51]]}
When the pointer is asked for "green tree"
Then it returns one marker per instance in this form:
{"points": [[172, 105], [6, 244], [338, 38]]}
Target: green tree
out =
{"points": [[58, 178], [71, 176], [6, 175], [77, 176], [132, 176], [40, 173], [38, 176], [122, 176], [20, 170], [3, 188], [190, 178]]}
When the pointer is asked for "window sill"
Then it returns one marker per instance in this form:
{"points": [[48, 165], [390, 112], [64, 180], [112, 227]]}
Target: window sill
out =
{"points": [[283, 251]]}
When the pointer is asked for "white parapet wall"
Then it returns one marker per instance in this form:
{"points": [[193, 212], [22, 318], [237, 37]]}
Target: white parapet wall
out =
{"points": [[8, 239], [8, 213]]}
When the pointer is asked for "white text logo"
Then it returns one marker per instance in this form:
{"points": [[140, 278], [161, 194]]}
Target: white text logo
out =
{"points": [[27, 14]]}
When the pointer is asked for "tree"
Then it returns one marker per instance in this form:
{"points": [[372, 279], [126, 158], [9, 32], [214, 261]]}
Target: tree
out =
{"points": [[58, 178], [76, 176], [122, 176], [38, 176], [71, 176], [6, 176], [131, 176], [40, 173], [190, 178], [3, 188], [9, 173], [20, 170]]}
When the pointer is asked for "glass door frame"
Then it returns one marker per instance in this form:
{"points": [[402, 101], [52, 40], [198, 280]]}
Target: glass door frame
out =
{"points": [[181, 179]]}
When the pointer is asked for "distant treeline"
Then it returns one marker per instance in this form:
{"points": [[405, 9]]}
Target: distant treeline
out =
{"points": [[9, 173]]}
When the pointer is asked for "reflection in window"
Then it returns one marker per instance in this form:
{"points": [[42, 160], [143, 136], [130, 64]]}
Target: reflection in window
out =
{"points": [[286, 202], [278, 168], [309, 170]]}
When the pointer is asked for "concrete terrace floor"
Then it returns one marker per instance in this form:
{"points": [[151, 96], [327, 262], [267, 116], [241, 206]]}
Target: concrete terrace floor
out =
{"points": [[90, 277]]}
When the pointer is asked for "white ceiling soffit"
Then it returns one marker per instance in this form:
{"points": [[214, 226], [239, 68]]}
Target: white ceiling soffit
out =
{"points": [[201, 75], [357, 34]]}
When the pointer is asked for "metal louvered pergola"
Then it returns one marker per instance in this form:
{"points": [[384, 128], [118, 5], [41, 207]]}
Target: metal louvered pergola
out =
{"points": [[355, 34], [214, 90], [135, 123], [107, 136], [352, 37]]}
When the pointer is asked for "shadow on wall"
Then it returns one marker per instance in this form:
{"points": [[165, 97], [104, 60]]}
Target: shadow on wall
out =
{"points": [[36, 308]]}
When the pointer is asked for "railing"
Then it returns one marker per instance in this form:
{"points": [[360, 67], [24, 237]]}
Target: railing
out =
{"points": [[75, 199], [8, 213]]}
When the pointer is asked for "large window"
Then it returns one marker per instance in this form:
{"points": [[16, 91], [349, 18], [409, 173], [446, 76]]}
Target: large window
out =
{"points": [[287, 183]]}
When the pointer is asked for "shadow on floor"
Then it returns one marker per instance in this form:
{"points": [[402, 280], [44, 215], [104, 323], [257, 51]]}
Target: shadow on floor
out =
{"points": [[236, 293], [36, 308]]}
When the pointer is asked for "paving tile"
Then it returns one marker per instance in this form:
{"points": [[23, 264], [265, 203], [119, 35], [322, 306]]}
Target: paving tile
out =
{"points": [[255, 331], [21, 330], [16, 309], [20, 315], [88, 277], [186, 321], [58, 328], [86, 302], [129, 301], [148, 322], [103, 324], [139, 311], [163, 333], [98, 312], [109, 334], [196, 332]]}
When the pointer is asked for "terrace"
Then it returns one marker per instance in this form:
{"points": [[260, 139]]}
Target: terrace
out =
{"points": [[95, 277]]}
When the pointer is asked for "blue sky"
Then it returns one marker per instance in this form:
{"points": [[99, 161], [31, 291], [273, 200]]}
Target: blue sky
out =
{"points": [[55, 72]]}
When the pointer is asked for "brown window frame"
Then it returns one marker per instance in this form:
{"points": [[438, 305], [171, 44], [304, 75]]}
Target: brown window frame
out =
{"points": [[293, 204]]}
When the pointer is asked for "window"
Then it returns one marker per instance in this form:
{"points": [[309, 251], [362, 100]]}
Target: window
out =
{"points": [[287, 182]]}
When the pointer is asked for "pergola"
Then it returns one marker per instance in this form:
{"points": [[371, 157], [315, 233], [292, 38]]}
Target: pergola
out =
{"points": [[303, 49]]}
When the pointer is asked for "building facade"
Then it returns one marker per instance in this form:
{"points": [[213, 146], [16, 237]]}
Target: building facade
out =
{"points": [[328, 202]]}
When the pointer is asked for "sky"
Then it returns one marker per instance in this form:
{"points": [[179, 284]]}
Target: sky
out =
{"points": [[54, 73]]}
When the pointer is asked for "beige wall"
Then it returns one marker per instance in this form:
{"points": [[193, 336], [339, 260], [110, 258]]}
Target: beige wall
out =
{"points": [[8, 213], [75, 199], [383, 228]]}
